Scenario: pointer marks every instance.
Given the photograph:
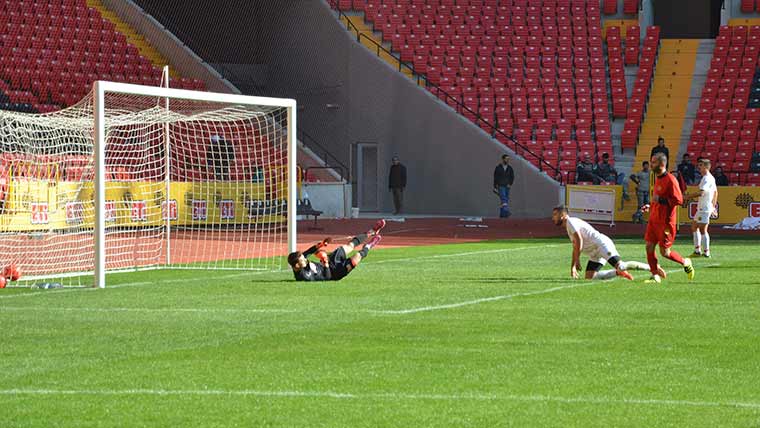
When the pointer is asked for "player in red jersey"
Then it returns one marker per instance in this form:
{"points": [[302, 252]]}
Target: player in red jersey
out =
{"points": [[661, 229]]}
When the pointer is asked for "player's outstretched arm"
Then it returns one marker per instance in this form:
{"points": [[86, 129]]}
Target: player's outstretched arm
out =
{"points": [[575, 265]]}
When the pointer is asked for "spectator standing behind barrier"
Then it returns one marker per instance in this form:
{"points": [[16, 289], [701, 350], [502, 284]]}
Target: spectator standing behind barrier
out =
{"points": [[641, 179], [660, 148], [586, 171], [720, 178], [503, 178], [220, 154], [687, 170], [397, 183]]}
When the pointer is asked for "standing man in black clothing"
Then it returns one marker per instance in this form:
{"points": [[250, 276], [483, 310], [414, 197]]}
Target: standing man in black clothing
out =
{"points": [[219, 156], [660, 148], [503, 178], [720, 178], [397, 183], [336, 265], [687, 170]]}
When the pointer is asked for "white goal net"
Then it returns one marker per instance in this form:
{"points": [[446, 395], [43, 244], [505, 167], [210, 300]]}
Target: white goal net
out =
{"points": [[136, 177]]}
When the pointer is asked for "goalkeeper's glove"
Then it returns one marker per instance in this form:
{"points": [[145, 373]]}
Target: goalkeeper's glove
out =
{"points": [[324, 242], [323, 258]]}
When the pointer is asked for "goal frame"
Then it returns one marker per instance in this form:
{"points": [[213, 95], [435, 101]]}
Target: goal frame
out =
{"points": [[99, 90]]}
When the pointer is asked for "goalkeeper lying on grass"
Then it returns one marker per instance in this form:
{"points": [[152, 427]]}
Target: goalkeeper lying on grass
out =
{"points": [[336, 265]]}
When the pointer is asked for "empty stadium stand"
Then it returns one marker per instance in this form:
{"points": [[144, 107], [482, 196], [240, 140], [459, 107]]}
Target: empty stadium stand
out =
{"points": [[537, 73], [51, 52], [532, 70], [726, 126]]}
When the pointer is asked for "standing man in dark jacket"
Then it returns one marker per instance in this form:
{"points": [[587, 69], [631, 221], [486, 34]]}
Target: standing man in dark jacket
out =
{"points": [[660, 148], [503, 178], [397, 183]]}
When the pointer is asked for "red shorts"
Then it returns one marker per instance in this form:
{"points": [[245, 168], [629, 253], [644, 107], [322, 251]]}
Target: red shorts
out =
{"points": [[662, 234]]}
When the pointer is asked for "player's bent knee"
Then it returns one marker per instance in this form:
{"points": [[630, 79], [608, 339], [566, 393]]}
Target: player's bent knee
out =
{"points": [[355, 260]]}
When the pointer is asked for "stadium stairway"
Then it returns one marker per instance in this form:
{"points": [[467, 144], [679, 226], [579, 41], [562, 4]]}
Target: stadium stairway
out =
{"points": [[357, 20], [668, 101], [133, 37], [667, 107]]}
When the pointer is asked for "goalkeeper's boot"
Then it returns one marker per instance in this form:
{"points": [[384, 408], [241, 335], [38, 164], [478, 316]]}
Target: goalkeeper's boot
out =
{"points": [[689, 269], [373, 241], [661, 272], [654, 279], [696, 254], [706, 254], [624, 274], [379, 225]]}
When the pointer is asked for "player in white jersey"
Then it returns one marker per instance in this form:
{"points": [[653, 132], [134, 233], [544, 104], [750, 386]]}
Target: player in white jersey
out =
{"points": [[597, 246], [706, 205]]}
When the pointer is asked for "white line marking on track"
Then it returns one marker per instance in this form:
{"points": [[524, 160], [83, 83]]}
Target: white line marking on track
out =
{"points": [[391, 396]]}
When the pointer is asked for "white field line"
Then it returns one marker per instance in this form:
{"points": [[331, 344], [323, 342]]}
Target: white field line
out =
{"points": [[497, 298], [469, 253], [478, 301], [399, 396]]}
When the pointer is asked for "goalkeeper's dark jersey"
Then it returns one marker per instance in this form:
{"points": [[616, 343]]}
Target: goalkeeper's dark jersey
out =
{"points": [[313, 271]]}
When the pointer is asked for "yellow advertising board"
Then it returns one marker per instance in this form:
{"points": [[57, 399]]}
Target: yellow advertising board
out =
{"points": [[39, 205], [734, 204]]}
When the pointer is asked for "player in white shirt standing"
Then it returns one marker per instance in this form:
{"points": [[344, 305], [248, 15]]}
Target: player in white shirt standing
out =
{"points": [[597, 246], [708, 198]]}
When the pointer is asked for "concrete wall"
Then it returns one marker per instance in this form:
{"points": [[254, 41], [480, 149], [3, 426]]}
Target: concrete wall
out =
{"points": [[180, 56], [330, 198], [347, 95]]}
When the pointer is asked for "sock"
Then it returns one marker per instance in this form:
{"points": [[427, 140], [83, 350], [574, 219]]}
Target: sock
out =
{"points": [[633, 266], [606, 274], [697, 239], [652, 260], [364, 251], [706, 242], [358, 239], [675, 257]]}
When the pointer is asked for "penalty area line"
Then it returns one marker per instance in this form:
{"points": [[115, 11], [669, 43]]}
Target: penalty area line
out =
{"points": [[478, 301], [599, 400]]}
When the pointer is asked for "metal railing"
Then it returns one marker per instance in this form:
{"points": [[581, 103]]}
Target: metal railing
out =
{"points": [[460, 108], [307, 175], [331, 162]]}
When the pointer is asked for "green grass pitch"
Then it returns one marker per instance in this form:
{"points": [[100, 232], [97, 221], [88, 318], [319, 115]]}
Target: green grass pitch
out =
{"points": [[467, 335]]}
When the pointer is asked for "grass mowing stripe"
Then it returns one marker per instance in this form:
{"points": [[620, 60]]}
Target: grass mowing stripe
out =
{"points": [[390, 396], [158, 310], [168, 281]]}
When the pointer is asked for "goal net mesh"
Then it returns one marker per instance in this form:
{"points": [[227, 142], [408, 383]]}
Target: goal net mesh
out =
{"points": [[199, 185]]}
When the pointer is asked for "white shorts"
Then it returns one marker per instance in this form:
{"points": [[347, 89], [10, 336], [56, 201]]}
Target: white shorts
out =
{"points": [[703, 216], [602, 253]]}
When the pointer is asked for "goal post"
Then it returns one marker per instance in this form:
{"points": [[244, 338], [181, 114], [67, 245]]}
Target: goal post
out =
{"points": [[136, 177]]}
